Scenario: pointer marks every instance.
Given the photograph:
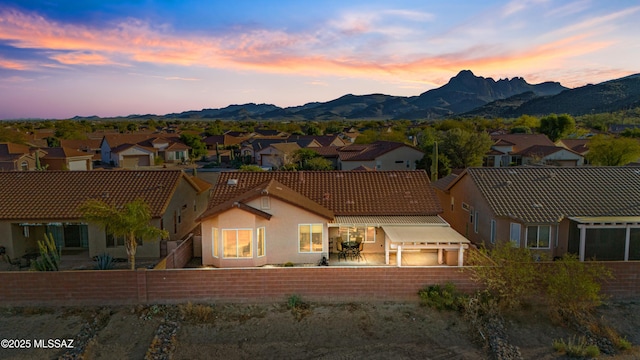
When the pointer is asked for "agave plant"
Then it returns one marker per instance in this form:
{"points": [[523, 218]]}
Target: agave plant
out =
{"points": [[104, 261]]}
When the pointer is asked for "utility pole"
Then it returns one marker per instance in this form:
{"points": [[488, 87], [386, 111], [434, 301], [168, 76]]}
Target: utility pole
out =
{"points": [[434, 162]]}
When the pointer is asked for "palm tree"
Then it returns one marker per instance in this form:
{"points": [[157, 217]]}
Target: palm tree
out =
{"points": [[130, 220]]}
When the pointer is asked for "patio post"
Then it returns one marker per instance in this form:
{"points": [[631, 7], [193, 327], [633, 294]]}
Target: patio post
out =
{"points": [[399, 255], [461, 255], [440, 256]]}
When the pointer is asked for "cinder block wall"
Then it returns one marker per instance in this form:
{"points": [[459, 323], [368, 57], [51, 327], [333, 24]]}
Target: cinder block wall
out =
{"points": [[253, 285]]}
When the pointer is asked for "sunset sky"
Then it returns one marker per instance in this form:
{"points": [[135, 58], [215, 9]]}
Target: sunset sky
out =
{"points": [[62, 58]]}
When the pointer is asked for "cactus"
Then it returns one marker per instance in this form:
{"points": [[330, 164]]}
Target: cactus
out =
{"points": [[49, 259]]}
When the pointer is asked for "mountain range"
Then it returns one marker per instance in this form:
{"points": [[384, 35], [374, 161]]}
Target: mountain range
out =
{"points": [[465, 95]]}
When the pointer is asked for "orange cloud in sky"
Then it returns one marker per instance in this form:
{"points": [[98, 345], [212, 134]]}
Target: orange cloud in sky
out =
{"points": [[274, 51], [81, 58]]}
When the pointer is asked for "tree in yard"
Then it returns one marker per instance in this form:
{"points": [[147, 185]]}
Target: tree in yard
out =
{"points": [[198, 147], [465, 148], [131, 221], [557, 126], [317, 163], [606, 151]]}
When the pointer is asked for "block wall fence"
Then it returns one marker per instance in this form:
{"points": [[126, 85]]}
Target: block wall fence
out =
{"points": [[253, 285]]}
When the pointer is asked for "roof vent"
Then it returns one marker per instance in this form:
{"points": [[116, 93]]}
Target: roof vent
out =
{"points": [[232, 182], [536, 205], [507, 183]]}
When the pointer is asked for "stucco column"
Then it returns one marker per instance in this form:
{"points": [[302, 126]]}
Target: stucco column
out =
{"points": [[399, 255], [461, 255], [440, 256]]}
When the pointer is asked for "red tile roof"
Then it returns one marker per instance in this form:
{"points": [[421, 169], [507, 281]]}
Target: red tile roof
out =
{"points": [[56, 195], [367, 152], [277, 190], [522, 141], [343, 192]]}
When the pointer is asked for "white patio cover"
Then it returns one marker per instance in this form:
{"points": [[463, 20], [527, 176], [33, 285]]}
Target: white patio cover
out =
{"points": [[424, 234], [423, 237]]}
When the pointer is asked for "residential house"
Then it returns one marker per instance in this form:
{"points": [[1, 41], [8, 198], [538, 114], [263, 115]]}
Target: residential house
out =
{"points": [[18, 157], [504, 151], [275, 217], [62, 158], [91, 146], [593, 212], [277, 155], [380, 155], [39, 202], [140, 150], [580, 146], [549, 155]]}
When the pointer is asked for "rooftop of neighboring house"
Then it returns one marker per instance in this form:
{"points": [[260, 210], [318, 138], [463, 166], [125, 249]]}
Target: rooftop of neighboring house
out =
{"points": [[541, 150], [342, 192], [115, 140], [64, 152], [82, 145], [577, 145], [521, 141], [56, 195], [368, 152], [286, 148], [323, 140], [543, 194], [11, 151]]}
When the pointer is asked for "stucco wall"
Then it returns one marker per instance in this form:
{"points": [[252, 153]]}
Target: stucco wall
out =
{"points": [[281, 234]]}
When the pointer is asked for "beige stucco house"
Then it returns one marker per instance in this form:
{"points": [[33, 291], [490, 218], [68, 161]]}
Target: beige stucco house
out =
{"points": [[593, 212], [263, 218], [380, 155], [39, 202]]}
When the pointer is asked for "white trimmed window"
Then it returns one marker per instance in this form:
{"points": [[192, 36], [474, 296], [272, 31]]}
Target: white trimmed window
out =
{"points": [[514, 234], [310, 238], [261, 241], [237, 243], [539, 236], [216, 244]]}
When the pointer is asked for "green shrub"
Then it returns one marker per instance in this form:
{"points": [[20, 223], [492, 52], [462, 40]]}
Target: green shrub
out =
{"points": [[574, 286], [510, 274], [576, 348], [288, 264], [444, 297]]}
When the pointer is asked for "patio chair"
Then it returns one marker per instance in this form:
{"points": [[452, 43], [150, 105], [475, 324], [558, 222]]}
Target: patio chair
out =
{"points": [[342, 252], [357, 251]]}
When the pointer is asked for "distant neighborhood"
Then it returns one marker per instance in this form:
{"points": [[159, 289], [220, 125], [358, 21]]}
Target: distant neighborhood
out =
{"points": [[322, 189], [400, 193]]}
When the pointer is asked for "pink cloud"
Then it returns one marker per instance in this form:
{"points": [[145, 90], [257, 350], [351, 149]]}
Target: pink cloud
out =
{"points": [[13, 65]]}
